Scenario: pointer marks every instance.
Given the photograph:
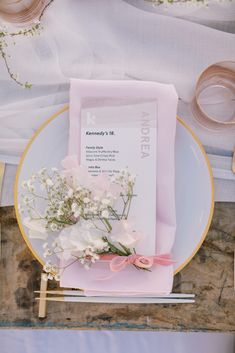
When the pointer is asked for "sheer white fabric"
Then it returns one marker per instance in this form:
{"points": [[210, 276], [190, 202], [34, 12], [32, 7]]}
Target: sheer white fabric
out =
{"points": [[106, 39], [219, 14], [110, 39]]}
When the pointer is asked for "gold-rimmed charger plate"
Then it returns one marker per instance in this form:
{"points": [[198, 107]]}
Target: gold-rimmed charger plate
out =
{"points": [[194, 183]]}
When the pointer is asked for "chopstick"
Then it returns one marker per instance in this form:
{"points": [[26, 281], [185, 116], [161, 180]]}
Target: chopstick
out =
{"points": [[119, 300], [79, 293], [42, 303]]}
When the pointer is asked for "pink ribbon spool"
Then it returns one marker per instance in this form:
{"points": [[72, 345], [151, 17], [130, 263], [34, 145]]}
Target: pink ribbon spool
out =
{"points": [[118, 263], [219, 76]]}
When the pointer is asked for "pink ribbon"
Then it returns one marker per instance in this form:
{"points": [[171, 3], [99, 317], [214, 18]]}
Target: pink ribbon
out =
{"points": [[118, 263]]}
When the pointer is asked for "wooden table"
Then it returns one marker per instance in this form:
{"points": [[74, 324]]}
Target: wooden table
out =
{"points": [[209, 275]]}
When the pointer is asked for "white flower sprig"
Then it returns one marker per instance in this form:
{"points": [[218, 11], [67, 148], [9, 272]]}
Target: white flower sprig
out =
{"points": [[5, 37], [8, 37], [67, 204], [89, 215]]}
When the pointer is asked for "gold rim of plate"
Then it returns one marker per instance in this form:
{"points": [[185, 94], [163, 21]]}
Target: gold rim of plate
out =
{"points": [[204, 233]]}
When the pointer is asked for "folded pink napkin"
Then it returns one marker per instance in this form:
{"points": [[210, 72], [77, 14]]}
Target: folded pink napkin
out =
{"points": [[99, 280]]}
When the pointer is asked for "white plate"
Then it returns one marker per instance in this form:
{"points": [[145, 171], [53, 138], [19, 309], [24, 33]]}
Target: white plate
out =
{"points": [[194, 183]]}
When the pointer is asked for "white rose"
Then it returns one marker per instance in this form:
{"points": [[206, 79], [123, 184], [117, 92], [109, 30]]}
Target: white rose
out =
{"points": [[78, 237]]}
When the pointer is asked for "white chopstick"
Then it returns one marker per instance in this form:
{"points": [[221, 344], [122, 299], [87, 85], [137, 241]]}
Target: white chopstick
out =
{"points": [[119, 300], [79, 293]]}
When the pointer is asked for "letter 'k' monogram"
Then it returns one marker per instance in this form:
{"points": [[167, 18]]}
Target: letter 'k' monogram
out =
{"points": [[90, 119]]}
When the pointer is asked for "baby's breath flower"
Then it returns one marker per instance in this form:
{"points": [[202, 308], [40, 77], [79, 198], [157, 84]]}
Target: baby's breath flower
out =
{"points": [[42, 171], [59, 212], [47, 266], [53, 227], [49, 182], [47, 253], [70, 192], [74, 206], [96, 256], [105, 201], [86, 200], [50, 276], [93, 210], [77, 214], [105, 214], [54, 269], [24, 184], [106, 248], [88, 252], [57, 277]]}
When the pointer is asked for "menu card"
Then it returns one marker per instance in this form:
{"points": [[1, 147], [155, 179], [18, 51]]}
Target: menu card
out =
{"points": [[125, 136]]}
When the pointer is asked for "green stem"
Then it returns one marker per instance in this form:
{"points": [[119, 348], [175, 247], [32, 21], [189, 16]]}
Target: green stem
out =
{"points": [[124, 208], [127, 251], [114, 213], [62, 222], [113, 248], [129, 206], [108, 224]]}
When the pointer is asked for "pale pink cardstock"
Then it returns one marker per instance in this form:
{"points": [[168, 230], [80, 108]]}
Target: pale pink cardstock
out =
{"points": [[99, 280]]}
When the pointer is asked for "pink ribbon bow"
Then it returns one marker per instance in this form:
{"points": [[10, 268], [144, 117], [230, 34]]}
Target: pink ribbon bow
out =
{"points": [[118, 263]]}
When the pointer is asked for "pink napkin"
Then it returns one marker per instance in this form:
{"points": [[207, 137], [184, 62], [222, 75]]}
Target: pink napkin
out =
{"points": [[99, 280]]}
